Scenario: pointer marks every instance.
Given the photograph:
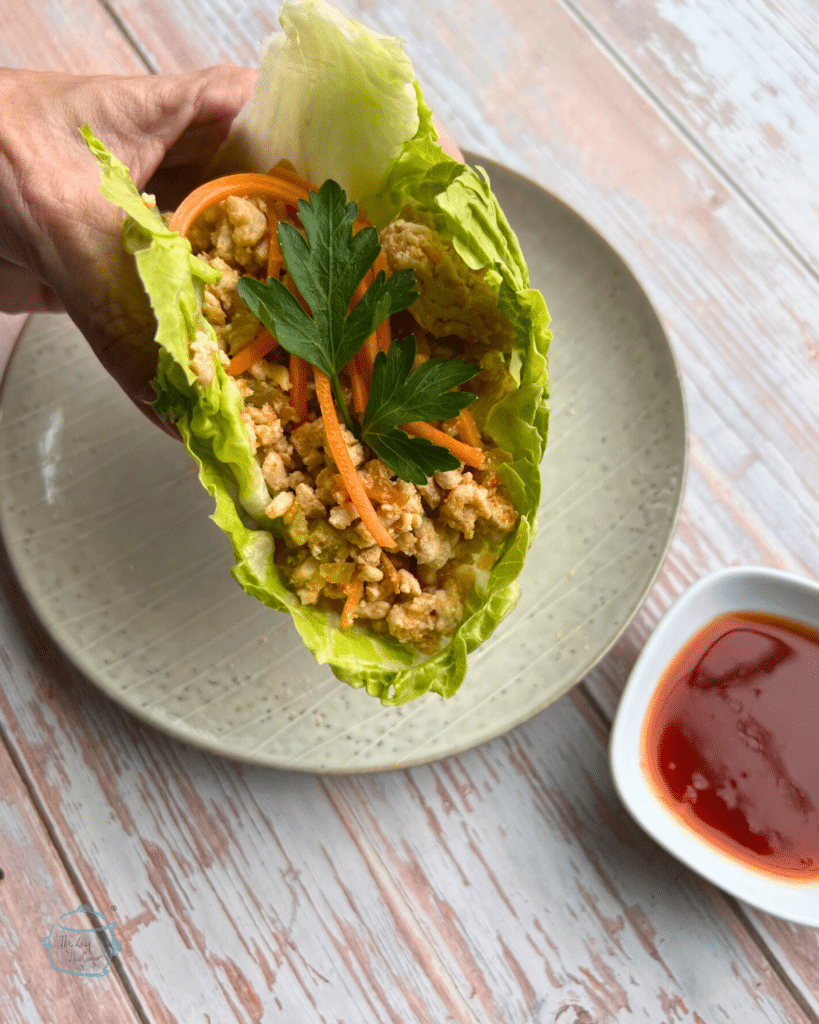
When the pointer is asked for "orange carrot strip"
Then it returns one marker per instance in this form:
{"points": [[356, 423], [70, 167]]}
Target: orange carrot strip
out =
{"points": [[298, 387], [468, 429], [383, 334], [359, 388], [354, 591], [280, 171], [466, 453], [263, 343], [366, 354], [341, 457], [360, 288], [213, 192], [383, 331], [371, 347], [391, 572], [370, 350], [381, 264]]}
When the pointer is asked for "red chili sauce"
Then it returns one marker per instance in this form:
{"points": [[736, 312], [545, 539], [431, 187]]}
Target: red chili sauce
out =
{"points": [[732, 740]]}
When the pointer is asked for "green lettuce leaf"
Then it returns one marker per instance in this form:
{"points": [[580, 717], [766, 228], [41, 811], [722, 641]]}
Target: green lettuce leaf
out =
{"points": [[333, 99], [389, 159]]}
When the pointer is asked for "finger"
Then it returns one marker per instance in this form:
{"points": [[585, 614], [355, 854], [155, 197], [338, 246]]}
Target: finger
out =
{"points": [[180, 120], [21, 291], [218, 94]]}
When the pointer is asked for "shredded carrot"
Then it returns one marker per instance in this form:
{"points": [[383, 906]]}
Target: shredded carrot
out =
{"points": [[361, 288], [391, 572], [357, 385], [288, 174], [466, 453], [354, 591], [263, 343], [341, 457], [365, 369], [383, 331], [468, 429], [298, 387], [213, 192], [383, 334], [369, 350]]}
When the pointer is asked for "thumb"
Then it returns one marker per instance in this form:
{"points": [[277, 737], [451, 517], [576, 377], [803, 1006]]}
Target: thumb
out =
{"points": [[179, 120]]}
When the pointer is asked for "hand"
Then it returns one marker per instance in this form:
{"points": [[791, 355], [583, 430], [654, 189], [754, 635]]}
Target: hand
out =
{"points": [[60, 245]]}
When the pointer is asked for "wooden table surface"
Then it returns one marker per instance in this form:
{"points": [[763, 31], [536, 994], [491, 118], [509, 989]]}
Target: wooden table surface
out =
{"points": [[506, 884]]}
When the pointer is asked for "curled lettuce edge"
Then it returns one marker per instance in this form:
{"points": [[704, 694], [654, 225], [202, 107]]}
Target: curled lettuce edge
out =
{"points": [[210, 422]]}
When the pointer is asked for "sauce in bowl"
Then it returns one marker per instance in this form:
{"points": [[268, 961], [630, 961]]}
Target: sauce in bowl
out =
{"points": [[731, 740]]}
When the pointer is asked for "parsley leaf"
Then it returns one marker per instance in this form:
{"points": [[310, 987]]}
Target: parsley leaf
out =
{"points": [[399, 394], [327, 264]]}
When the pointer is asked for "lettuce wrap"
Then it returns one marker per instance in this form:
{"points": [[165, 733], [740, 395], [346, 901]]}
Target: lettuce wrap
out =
{"points": [[338, 101]]}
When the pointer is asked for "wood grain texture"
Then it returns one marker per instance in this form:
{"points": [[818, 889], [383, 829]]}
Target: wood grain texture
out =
{"points": [[35, 891], [239, 891], [502, 885], [64, 35], [505, 885], [742, 80]]}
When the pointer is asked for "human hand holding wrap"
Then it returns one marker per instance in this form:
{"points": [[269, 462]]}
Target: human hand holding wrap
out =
{"points": [[60, 242]]}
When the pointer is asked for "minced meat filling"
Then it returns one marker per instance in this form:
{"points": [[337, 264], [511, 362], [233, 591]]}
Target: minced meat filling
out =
{"points": [[417, 591]]}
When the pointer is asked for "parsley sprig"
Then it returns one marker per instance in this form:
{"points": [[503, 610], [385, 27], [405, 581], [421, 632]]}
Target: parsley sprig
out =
{"points": [[400, 395], [327, 263]]}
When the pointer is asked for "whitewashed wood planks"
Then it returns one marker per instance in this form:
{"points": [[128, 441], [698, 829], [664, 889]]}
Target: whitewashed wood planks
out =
{"points": [[240, 894], [230, 877], [35, 891], [742, 80], [64, 35], [504, 885]]}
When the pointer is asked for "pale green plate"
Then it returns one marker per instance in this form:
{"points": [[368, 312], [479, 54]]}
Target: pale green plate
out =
{"points": [[107, 528]]}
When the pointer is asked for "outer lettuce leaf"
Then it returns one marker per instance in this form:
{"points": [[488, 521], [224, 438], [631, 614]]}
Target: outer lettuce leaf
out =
{"points": [[514, 411], [333, 99]]}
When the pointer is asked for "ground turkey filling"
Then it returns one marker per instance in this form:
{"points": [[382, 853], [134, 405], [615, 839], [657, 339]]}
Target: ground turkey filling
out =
{"points": [[417, 591]]}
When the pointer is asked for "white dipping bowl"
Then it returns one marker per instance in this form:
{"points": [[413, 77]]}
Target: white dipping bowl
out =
{"points": [[744, 588]]}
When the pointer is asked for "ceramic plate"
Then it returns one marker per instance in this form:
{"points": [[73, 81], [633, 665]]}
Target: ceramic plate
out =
{"points": [[107, 528]]}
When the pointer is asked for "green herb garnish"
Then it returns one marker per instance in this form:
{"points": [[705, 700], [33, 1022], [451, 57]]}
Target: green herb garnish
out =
{"points": [[400, 395], [327, 264]]}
